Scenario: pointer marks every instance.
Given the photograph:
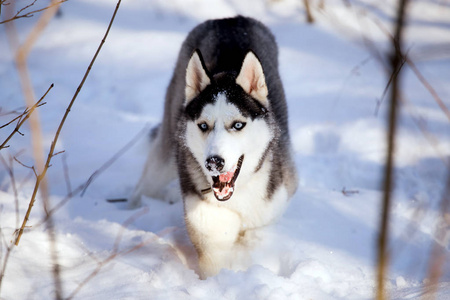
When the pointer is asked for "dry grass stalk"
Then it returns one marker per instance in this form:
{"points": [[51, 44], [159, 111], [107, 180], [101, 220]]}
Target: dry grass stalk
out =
{"points": [[397, 60], [22, 51], [8, 245], [41, 184], [83, 187], [429, 87], [41, 177]]}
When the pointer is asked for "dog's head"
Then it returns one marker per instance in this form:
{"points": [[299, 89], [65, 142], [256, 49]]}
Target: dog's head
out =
{"points": [[228, 122]]}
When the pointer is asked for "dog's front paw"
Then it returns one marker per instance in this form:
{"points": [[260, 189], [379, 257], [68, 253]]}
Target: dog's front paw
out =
{"points": [[209, 267]]}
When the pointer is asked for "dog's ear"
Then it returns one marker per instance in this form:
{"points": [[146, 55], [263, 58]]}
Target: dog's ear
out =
{"points": [[196, 77], [251, 78]]}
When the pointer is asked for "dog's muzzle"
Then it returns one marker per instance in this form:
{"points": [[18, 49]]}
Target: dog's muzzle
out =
{"points": [[214, 164], [223, 182]]}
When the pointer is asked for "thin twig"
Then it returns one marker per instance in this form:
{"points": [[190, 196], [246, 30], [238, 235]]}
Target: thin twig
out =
{"points": [[31, 13], [386, 89], [82, 187], [429, 87], [13, 120], [66, 174], [23, 117], [5, 260], [25, 8], [413, 67], [11, 112], [396, 64], [111, 161], [10, 169], [32, 168]]}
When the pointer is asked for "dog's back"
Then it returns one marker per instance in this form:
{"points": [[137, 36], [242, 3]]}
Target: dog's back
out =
{"points": [[225, 42]]}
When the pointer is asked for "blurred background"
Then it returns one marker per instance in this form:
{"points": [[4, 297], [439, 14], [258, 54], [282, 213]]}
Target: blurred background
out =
{"points": [[334, 60]]}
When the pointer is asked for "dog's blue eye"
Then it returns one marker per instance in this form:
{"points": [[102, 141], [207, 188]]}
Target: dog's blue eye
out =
{"points": [[203, 126], [238, 125]]}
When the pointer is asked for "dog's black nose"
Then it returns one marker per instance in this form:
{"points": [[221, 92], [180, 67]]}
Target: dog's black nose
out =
{"points": [[214, 163]]}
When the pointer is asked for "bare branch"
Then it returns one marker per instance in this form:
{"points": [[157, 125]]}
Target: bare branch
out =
{"points": [[22, 52], [413, 67], [397, 59], [58, 153], [36, 134], [23, 9], [55, 140], [389, 83], [23, 117], [19, 14]]}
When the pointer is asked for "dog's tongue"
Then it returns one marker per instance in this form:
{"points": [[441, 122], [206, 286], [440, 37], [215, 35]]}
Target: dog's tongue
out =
{"points": [[223, 186], [226, 176]]}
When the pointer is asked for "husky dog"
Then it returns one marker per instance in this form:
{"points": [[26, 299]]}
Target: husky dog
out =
{"points": [[224, 138]]}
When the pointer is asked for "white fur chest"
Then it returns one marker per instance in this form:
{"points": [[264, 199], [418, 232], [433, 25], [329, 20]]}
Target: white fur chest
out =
{"points": [[250, 201]]}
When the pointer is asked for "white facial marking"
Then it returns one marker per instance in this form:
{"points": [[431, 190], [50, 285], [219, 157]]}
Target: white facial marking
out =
{"points": [[221, 139]]}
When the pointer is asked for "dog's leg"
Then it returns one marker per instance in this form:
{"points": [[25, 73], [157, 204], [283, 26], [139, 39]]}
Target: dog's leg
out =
{"points": [[158, 179], [214, 232]]}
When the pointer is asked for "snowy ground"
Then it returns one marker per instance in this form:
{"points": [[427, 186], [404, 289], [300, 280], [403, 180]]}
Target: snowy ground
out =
{"points": [[324, 246]]}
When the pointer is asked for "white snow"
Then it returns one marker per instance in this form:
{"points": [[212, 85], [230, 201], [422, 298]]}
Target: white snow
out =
{"points": [[324, 246]]}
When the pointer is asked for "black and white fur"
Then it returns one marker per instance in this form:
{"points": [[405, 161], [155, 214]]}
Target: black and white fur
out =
{"points": [[225, 117]]}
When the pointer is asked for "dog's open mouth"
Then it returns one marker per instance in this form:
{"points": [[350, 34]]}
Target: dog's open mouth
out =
{"points": [[223, 184]]}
